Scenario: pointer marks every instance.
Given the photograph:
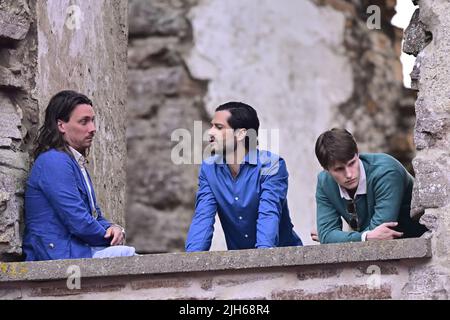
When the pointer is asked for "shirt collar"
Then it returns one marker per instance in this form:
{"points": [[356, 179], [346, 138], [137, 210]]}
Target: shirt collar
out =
{"points": [[78, 157], [362, 186], [250, 158]]}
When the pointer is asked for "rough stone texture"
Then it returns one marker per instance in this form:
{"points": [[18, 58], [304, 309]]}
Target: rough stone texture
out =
{"points": [[15, 19], [427, 283], [159, 18], [360, 292], [433, 186], [87, 52], [222, 260], [432, 139], [416, 37], [9, 78], [379, 270], [18, 114], [162, 97]]}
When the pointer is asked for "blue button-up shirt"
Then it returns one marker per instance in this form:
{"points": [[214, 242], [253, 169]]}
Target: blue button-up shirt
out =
{"points": [[252, 207]]}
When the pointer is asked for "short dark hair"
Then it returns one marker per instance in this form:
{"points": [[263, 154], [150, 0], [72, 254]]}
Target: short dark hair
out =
{"points": [[242, 116], [60, 107], [335, 145]]}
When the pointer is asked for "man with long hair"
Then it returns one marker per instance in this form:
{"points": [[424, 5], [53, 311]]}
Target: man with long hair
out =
{"points": [[247, 187], [62, 217]]}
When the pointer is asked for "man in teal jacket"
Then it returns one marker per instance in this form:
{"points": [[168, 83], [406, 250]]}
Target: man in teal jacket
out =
{"points": [[371, 192]]}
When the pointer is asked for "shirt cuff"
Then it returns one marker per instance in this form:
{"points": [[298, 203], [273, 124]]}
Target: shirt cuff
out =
{"points": [[364, 236]]}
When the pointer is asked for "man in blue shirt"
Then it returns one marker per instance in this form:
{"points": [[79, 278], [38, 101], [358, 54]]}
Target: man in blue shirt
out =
{"points": [[247, 187]]}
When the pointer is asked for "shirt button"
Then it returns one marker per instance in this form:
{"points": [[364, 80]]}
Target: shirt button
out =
{"points": [[51, 245], [240, 218], [237, 198], [246, 235]]}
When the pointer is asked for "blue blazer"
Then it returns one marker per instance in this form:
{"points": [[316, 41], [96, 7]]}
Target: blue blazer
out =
{"points": [[58, 220]]}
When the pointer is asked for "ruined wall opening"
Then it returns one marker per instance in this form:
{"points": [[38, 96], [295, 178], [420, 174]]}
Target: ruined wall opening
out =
{"points": [[176, 75], [340, 67]]}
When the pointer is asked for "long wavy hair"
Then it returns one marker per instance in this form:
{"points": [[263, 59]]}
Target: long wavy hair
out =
{"points": [[60, 107]]}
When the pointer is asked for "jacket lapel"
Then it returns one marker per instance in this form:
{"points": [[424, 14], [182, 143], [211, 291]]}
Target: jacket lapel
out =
{"points": [[370, 192], [83, 183]]}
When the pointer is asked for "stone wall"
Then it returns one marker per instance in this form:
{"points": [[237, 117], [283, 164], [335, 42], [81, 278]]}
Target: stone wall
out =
{"points": [[82, 45], [18, 114], [302, 75], [428, 38], [365, 270], [380, 111], [162, 97], [47, 46]]}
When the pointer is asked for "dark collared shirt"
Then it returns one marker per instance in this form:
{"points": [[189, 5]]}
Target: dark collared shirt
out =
{"points": [[252, 207]]}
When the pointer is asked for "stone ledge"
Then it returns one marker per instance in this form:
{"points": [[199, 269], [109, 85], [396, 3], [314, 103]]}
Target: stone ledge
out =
{"points": [[219, 260]]}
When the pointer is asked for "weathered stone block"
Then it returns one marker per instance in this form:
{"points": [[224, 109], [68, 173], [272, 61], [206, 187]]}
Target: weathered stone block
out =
{"points": [[416, 37], [6, 234], [57, 289], [144, 53], [337, 292], [207, 284], [10, 79], [431, 125], [156, 18], [11, 121], [10, 294], [14, 19], [146, 224], [317, 273], [244, 278], [430, 219], [432, 182], [5, 142], [173, 81], [10, 207], [426, 282], [13, 160], [160, 283]]}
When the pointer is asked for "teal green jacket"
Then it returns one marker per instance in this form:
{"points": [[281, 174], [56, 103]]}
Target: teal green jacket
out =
{"points": [[388, 198]]}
